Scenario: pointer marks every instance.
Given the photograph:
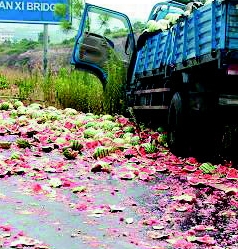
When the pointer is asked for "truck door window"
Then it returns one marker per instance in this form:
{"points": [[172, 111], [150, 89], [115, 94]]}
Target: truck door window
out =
{"points": [[103, 32]]}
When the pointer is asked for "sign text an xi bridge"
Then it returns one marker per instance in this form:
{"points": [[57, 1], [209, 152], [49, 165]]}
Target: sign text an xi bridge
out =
{"points": [[31, 11]]}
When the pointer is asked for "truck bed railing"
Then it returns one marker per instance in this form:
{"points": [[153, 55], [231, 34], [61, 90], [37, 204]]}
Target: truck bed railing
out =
{"points": [[196, 39]]}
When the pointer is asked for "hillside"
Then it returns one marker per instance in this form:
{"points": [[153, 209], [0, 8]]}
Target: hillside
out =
{"points": [[32, 59], [58, 56]]}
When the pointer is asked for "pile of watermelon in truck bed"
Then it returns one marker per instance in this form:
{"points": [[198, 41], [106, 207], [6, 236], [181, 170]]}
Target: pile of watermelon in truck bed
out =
{"points": [[183, 71]]}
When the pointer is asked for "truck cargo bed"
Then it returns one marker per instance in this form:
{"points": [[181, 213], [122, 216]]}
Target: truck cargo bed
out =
{"points": [[202, 37]]}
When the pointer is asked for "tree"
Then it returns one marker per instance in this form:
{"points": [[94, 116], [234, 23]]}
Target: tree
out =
{"points": [[138, 26], [104, 20], [76, 12], [107, 31], [41, 38], [68, 41]]}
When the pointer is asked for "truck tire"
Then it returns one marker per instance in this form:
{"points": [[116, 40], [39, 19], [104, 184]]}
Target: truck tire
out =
{"points": [[177, 132]]}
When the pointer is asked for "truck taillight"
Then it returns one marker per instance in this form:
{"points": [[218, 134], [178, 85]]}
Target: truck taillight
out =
{"points": [[232, 69]]}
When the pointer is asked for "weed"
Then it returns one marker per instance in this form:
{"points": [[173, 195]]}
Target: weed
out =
{"points": [[70, 88], [4, 84]]}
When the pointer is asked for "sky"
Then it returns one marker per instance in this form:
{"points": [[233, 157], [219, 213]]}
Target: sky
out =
{"points": [[134, 9]]}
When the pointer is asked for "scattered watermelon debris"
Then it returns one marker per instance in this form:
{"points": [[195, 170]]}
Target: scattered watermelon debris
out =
{"points": [[68, 156]]}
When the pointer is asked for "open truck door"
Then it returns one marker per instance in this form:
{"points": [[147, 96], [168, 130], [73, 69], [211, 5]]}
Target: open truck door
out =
{"points": [[102, 33]]}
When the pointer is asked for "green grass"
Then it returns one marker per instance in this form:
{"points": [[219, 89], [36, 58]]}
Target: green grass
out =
{"points": [[114, 94], [4, 84], [70, 88]]}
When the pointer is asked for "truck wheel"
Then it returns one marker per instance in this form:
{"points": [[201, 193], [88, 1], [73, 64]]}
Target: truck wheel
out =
{"points": [[177, 126]]}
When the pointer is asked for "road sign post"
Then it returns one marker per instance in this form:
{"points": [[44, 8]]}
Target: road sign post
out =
{"points": [[45, 48]]}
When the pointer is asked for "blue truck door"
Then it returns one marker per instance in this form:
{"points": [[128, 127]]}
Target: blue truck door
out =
{"points": [[101, 33]]}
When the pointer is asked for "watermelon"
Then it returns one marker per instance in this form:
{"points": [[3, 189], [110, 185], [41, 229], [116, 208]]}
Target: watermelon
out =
{"points": [[129, 129], [5, 144], [90, 133], [70, 154], [207, 168], [101, 152], [35, 106], [21, 110], [76, 145], [70, 112], [22, 143], [4, 106], [232, 174], [108, 117], [149, 148], [135, 140], [190, 168], [17, 104], [108, 125]]}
